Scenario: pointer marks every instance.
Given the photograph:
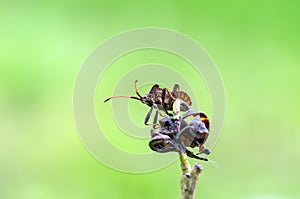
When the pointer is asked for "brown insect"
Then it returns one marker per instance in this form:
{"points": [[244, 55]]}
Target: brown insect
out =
{"points": [[162, 99]]}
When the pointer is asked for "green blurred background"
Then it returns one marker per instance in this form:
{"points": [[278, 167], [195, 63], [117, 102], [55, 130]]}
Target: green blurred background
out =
{"points": [[255, 45]]}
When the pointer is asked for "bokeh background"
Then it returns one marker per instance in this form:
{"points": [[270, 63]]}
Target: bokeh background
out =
{"points": [[255, 45]]}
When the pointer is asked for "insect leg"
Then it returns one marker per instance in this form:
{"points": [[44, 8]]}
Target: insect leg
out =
{"points": [[158, 111], [148, 116], [176, 88], [163, 95], [161, 109], [155, 124]]}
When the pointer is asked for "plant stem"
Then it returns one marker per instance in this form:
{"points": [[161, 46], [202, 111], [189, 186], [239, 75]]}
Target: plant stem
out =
{"points": [[185, 165], [189, 178]]}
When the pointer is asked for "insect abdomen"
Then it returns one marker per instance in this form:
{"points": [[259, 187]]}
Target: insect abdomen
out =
{"points": [[184, 97]]}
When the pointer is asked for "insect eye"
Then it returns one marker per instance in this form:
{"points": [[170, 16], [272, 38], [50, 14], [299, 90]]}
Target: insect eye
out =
{"points": [[145, 99]]}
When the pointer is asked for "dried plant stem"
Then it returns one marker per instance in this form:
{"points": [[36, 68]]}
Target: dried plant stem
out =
{"points": [[189, 178]]}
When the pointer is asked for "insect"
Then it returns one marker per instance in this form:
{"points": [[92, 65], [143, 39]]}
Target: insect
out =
{"points": [[163, 99], [178, 134]]}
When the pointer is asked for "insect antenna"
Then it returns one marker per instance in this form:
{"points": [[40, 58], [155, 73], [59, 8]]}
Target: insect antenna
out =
{"points": [[132, 97], [136, 90]]}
